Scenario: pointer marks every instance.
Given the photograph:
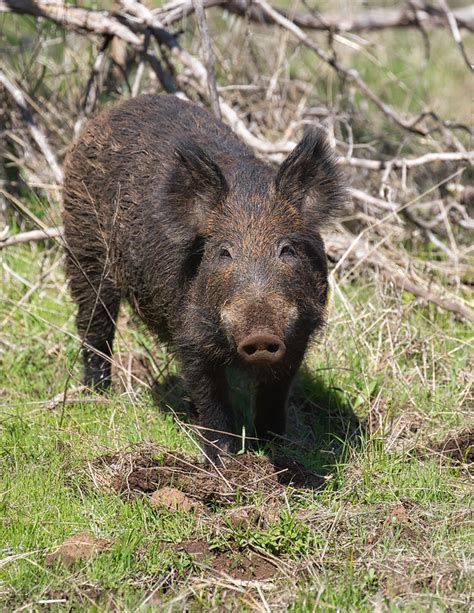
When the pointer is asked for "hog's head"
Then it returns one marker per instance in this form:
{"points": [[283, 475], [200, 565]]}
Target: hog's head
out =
{"points": [[260, 283]]}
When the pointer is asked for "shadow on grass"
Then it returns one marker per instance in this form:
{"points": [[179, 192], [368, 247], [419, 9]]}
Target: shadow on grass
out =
{"points": [[170, 395], [322, 427]]}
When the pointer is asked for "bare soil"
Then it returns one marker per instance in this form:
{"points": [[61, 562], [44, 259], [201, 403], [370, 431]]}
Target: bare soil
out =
{"points": [[245, 567], [457, 447]]}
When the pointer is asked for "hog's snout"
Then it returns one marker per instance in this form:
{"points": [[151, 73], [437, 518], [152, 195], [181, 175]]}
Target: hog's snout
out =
{"points": [[262, 348]]}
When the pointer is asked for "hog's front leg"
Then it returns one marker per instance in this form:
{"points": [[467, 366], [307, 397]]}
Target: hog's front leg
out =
{"points": [[209, 392]]}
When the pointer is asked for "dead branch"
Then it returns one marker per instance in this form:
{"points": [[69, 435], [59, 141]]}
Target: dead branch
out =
{"points": [[92, 87], [35, 132], [414, 16], [164, 77], [73, 18], [30, 237], [427, 158]]}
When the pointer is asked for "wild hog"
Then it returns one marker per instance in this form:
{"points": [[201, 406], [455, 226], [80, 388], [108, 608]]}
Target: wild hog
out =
{"points": [[219, 254]]}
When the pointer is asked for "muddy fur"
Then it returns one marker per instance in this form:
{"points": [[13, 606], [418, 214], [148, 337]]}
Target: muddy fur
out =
{"points": [[165, 207]]}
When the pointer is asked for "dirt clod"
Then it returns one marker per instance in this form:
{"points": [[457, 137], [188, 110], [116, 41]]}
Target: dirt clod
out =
{"points": [[292, 472], [196, 548], [80, 546], [250, 567], [172, 499], [240, 517], [397, 513]]}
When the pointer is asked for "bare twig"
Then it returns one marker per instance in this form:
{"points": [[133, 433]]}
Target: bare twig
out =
{"points": [[30, 237], [92, 87], [138, 78], [35, 132], [453, 26], [208, 56], [163, 76]]}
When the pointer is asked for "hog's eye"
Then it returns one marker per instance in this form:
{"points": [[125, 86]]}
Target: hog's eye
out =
{"points": [[285, 250], [224, 253]]}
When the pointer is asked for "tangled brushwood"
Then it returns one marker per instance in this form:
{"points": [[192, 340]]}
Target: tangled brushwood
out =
{"points": [[410, 171]]}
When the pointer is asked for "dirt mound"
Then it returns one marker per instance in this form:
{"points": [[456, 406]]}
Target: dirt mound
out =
{"points": [[152, 468]]}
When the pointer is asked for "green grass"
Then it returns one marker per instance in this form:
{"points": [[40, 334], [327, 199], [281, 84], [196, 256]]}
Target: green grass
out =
{"points": [[389, 528]]}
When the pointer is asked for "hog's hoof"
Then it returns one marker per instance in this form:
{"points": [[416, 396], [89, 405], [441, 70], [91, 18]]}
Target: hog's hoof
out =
{"points": [[220, 450], [99, 384]]}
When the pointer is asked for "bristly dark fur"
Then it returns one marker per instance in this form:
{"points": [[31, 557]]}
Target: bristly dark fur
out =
{"points": [[165, 207]]}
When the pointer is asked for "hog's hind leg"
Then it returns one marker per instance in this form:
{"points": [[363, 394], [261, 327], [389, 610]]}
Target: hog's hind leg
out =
{"points": [[98, 302]]}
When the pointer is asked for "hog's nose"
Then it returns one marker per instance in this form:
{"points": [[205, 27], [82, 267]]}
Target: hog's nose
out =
{"points": [[261, 347]]}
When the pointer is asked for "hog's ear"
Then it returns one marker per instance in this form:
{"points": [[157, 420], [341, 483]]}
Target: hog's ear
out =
{"points": [[311, 179], [197, 184]]}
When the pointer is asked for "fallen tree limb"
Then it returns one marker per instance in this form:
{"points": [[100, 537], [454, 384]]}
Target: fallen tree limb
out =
{"points": [[427, 158], [73, 17], [411, 16]]}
